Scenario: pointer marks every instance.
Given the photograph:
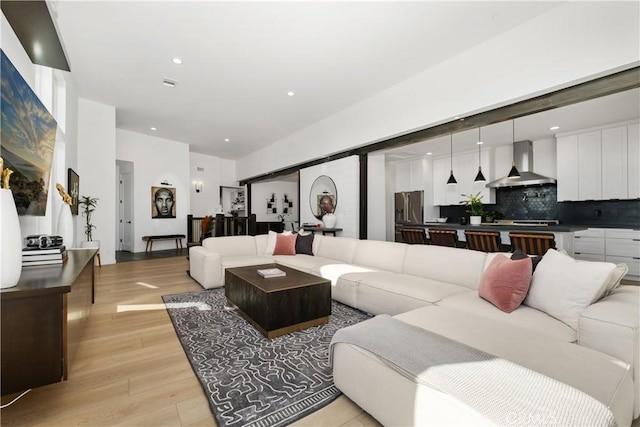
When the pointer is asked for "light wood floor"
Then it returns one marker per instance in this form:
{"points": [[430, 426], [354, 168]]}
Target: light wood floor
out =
{"points": [[130, 369]]}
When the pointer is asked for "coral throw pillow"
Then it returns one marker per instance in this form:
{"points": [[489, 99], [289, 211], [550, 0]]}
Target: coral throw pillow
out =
{"points": [[505, 282], [285, 244]]}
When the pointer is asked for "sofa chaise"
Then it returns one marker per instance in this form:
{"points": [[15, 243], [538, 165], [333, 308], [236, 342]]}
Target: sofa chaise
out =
{"points": [[576, 325]]}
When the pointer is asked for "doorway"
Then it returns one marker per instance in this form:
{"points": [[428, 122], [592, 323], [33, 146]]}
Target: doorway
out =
{"points": [[125, 206]]}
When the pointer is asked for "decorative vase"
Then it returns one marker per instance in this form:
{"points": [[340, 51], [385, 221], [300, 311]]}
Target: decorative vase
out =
{"points": [[11, 241], [329, 220], [475, 219], [65, 225]]}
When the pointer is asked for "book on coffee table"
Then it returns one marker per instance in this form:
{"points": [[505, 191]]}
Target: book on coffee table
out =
{"points": [[271, 272]]}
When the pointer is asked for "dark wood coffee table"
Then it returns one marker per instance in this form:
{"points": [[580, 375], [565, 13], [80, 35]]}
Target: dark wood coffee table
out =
{"points": [[278, 305]]}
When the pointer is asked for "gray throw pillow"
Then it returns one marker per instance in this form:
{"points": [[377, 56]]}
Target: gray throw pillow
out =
{"points": [[518, 254], [304, 244]]}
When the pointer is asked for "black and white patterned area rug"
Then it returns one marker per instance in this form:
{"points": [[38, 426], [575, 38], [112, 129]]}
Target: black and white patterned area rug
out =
{"points": [[249, 379]]}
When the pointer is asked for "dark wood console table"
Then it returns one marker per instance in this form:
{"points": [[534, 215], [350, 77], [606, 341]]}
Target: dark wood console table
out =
{"points": [[43, 319], [324, 230]]}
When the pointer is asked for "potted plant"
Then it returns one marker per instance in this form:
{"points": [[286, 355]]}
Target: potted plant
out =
{"points": [[473, 203], [88, 205]]}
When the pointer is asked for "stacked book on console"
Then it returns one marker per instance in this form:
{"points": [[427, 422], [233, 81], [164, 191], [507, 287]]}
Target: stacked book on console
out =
{"points": [[47, 256], [271, 272]]}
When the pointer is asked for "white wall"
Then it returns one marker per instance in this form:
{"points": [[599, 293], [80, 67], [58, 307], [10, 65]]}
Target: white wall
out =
{"points": [[56, 90], [97, 172], [216, 172], [261, 191], [345, 174], [377, 208], [571, 43], [155, 160]]}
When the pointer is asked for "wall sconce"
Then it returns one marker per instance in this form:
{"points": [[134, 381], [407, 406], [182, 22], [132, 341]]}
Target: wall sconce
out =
{"points": [[198, 185]]}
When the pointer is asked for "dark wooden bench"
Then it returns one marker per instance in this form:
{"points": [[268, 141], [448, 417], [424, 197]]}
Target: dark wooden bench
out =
{"points": [[150, 239]]}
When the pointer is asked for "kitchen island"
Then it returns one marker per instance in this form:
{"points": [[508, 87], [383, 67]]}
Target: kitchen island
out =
{"points": [[563, 233]]}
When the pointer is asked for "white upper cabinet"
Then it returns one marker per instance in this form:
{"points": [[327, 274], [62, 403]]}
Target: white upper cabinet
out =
{"points": [[633, 161], [440, 175], [465, 168], [614, 163], [567, 153], [590, 166], [599, 164]]}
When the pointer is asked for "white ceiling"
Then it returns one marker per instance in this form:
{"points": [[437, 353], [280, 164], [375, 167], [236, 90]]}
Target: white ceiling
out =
{"points": [[241, 58], [614, 108]]}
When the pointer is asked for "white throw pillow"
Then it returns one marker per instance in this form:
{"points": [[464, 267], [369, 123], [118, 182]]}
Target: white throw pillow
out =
{"points": [[615, 277], [563, 287], [271, 241]]}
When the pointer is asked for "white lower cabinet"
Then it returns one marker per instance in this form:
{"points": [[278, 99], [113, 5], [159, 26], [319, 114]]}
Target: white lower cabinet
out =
{"points": [[624, 246], [616, 245], [588, 245]]}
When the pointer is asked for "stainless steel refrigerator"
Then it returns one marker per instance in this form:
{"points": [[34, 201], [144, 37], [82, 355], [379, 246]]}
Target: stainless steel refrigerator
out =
{"points": [[408, 210]]}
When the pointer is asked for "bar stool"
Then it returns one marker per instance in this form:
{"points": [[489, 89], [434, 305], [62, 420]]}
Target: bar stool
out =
{"points": [[445, 237], [414, 236], [532, 243], [485, 241]]}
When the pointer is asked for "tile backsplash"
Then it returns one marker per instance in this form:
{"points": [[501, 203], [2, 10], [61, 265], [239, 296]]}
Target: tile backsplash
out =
{"points": [[541, 202], [527, 202], [619, 213]]}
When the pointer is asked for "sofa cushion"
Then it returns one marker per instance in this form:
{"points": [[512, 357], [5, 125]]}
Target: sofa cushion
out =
{"points": [[450, 265], [304, 244], [612, 326], [306, 263], [392, 293], [601, 376], [231, 245], [334, 271], [615, 278], [338, 248], [285, 244], [387, 256], [527, 318], [261, 243], [563, 287], [505, 282]]}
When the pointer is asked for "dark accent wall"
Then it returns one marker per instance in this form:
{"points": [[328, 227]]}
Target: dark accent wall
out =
{"points": [[541, 202]]}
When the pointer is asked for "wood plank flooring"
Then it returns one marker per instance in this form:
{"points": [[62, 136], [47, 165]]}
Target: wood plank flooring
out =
{"points": [[130, 369]]}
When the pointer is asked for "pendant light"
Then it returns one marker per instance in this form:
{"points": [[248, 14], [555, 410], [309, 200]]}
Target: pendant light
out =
{"points": [[452, 179], [514, 173], [479, 177]]}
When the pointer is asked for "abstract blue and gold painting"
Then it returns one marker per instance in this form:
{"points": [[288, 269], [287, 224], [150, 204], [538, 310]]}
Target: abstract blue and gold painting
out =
{"points": [[27, 138]]}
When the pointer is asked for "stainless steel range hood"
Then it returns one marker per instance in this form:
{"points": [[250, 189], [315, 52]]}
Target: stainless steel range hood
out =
{"points": [[523, 156]]}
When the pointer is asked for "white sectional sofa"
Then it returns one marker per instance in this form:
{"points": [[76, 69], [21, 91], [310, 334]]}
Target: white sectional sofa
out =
{"points": [[435, 288]]}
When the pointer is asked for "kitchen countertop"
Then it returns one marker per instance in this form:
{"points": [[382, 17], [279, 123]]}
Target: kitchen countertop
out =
{"points": [[560, 228]]}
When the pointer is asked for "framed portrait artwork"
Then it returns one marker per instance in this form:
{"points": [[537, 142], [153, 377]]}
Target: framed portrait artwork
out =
{"points": [[163, 202], [73, 188]]}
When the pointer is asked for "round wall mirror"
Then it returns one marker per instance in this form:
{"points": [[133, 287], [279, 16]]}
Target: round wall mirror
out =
{"points": [[323, 197]]}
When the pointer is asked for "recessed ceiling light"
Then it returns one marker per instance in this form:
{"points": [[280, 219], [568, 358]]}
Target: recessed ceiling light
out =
{"points": [[177, 61], [479, 142], [290, 93], [226, 140], [554, 128], [153, 128]]}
